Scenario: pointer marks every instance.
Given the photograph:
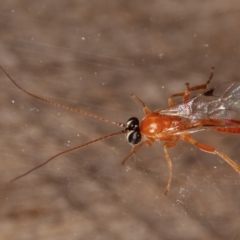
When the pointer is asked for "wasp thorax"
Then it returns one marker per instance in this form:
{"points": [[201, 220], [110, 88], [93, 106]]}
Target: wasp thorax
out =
{"points": [[133, 131]]}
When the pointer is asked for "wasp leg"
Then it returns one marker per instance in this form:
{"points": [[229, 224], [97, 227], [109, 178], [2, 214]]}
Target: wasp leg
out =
{"points": [[206, 148], [189, 89], [168, 145], [136, 148], [145, 108]]}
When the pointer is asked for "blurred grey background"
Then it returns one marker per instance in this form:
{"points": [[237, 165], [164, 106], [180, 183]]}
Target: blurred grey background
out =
{"points": [[93, 55]]}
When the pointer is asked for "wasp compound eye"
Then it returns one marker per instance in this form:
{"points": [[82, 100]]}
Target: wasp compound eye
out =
{"points": [[134, 137], [133, 131], [132, 124]]}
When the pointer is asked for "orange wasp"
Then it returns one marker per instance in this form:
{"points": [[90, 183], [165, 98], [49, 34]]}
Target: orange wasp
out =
{"points": [[213, 109]]}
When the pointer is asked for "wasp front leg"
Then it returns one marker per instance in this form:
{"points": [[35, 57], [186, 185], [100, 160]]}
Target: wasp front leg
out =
{"points": [[144, 107]]}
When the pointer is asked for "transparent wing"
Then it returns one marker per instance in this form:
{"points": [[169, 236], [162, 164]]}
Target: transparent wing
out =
{"points": [[221, 103]]}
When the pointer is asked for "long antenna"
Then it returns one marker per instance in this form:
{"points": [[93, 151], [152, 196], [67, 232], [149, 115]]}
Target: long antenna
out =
{"points": [[66, 151], [61, 105]]}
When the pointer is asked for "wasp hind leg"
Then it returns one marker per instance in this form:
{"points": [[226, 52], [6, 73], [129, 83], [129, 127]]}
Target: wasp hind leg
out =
{"points": [[206, 148]]}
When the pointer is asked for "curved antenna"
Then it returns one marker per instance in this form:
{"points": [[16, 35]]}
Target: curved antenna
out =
{"points": [[61, 105], [66, 151]]}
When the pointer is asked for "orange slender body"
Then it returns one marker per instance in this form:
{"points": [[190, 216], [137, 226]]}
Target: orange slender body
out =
{"points": [[217, 109], [161, 127], [156, 126]]}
